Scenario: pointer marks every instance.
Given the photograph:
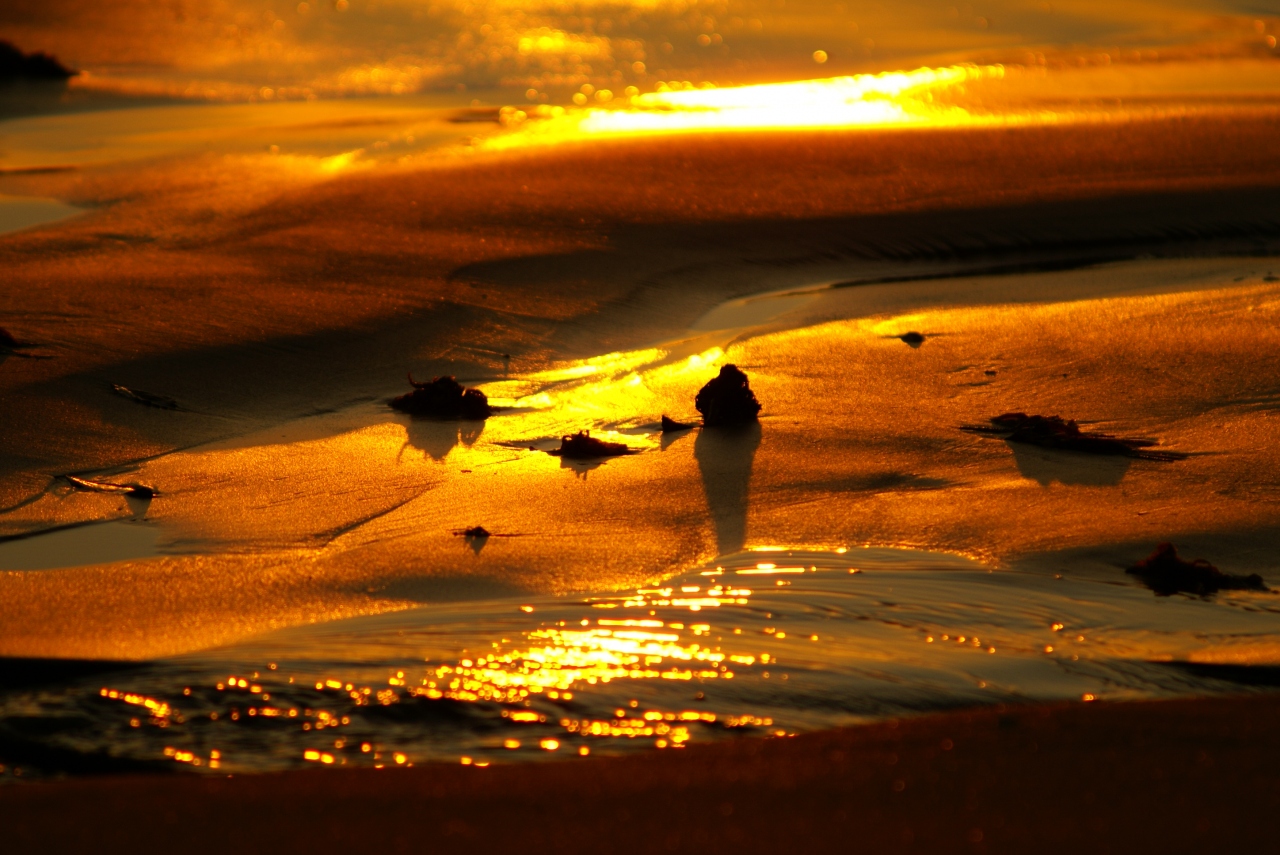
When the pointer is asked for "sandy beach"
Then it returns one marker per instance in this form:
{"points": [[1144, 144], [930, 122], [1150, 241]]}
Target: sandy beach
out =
{"points": [[249, 603], [231, 337]]}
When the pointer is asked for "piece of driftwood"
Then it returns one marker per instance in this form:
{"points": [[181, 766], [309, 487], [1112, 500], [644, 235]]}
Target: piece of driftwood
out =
{"points": [[444, 398], [727, 399], [138, 491], [1165, 573]]}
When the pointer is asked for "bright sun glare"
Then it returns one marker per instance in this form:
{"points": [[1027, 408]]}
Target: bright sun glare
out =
{"points": [[863, 100]]}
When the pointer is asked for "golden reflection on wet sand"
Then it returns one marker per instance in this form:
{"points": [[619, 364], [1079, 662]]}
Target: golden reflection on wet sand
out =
{"points": [[894, 468]]}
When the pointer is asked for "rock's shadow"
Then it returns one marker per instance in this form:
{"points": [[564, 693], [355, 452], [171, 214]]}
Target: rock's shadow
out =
{"points": [[666, 440], [580, 468], [437, 438], [449, 589], [1068, 467], [724, 458]]}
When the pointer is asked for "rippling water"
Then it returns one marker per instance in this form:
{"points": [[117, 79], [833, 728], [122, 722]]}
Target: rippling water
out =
{"points": [[767, 642]]}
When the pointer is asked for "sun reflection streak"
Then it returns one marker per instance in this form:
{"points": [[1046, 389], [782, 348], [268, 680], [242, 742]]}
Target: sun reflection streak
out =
{"points": [[692, 658], [604, 384], [864, 100]]}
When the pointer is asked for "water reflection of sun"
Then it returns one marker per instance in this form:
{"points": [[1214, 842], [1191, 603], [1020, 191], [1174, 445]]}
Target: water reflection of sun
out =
{"points": [[899, 98]]}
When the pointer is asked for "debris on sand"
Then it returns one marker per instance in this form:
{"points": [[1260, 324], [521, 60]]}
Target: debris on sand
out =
{"points": [[912, 338], [582, 446], [30, 67], [1062, 435], [147, 399], [474, 531], [727, 399], [444, 398], [10, 345], [137, 491], [670, 425], [1165, 573]]}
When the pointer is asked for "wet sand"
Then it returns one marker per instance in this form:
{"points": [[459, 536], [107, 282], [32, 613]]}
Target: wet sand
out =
{"points": [[1172, 776], [255, 298], [1120, 273]]}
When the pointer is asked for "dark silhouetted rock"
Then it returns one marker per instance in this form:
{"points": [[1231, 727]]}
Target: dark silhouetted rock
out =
{"points": [[582, 446], [913, 338], [475, 531], [1063, 435], [670, 425], [1165, 573], [16, 66], [727, 399], [444, 398], [9, 343]]}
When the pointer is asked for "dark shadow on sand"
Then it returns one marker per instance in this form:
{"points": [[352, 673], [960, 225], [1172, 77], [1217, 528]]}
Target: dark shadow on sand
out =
{"points": [[1045, 466], [1254, 676], [724, 458], [449, 589], [437, 438]]}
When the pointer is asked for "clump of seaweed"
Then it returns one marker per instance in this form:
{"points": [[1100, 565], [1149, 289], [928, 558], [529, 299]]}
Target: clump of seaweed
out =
{"points": [[670, 425], [583, 446], [727, 399], [444, 398], [1060, 434], [1165, 573]]}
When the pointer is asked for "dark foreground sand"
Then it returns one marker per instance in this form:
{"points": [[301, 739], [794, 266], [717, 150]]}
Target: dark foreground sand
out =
{"points": [[1171, 776]]}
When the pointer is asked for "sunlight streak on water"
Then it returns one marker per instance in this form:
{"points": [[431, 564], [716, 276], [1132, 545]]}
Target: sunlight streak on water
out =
{"points": [[820, 638], [890, 99], [864, 100]]}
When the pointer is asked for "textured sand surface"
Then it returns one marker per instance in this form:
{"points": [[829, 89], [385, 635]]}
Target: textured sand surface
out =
{"points": [[1176, 776], [296, 299]]}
